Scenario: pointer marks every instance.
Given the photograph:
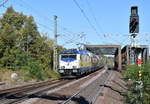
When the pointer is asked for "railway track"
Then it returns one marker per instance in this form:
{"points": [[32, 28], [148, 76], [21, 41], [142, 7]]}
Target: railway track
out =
{"points": [[74, 90], [82, 90], [18, 94], [2, 83], [90, 93]]}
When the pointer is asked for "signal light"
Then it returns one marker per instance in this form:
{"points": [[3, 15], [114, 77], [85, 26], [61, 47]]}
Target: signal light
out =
{"points": [[134, 25], [134, 21], [140, 74]]}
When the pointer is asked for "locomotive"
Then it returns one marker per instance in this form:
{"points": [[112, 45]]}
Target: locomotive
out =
{"points": [[75, 62]]}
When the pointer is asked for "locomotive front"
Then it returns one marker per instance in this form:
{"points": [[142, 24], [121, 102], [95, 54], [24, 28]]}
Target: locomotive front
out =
{"points": [[68, 63]]}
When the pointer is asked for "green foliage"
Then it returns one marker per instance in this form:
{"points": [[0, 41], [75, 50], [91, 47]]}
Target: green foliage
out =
{"points": [[131, 72], [35, 70], [38, 71], [51, 74], [21, 42], [137, 95]]}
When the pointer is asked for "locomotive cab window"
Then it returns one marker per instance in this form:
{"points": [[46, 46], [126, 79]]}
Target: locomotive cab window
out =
{"points": [[64, 56], [68, 56], [72, 56]]}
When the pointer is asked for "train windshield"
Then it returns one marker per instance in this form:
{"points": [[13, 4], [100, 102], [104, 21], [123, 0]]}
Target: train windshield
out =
{"points": [[68, 56]]}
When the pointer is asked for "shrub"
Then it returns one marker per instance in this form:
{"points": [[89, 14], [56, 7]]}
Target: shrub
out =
{"points": [[35, 70], [137, 95]]}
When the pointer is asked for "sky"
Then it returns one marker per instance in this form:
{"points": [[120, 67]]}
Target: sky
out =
{"points": [[86, 21]]}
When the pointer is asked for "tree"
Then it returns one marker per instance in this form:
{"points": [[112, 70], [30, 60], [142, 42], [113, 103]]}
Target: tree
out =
{"points": [[10, 30], [19, 38], [22, 45]]}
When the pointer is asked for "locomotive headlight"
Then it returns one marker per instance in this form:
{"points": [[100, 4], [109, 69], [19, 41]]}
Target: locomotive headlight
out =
{"points": [[75, 71], [61, 71]]}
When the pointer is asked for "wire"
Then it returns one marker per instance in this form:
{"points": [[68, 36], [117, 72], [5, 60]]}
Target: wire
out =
{"points": [[93, 15], [68, 40], [75, 34], [88, 20], [4, 2], [46, 27], [97, 23], [41, 15], [85, 16], [34, 10], [71, 37], [45, 18], [28, 6]]}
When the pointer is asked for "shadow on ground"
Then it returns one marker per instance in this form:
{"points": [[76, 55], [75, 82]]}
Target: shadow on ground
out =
{"points": [[76, 100]]}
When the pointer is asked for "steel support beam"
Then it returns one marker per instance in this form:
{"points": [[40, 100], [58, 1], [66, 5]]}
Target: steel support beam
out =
{"points": [[119, 59]]}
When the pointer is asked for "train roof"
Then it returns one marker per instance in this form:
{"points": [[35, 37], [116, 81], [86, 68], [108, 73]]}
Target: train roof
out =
{"points": [[75, 52]]}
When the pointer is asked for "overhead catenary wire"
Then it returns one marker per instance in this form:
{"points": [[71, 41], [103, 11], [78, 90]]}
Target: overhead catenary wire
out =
{"points": [[28, 6], [48, 28], [44, 26], [41, 15], [81, 35], [24, 3], [143, 38], [93, 15], [87, 19], [85, 16], [47, 18], [4, 2], [35, 11], [70, 39], [97, 23]]}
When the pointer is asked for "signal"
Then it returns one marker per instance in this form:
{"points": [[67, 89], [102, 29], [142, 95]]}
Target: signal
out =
{"points": [[134, 21], [140, 74]]}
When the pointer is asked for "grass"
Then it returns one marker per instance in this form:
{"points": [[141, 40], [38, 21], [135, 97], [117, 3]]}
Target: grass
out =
{"points": [[134, 94], [27, 75]]}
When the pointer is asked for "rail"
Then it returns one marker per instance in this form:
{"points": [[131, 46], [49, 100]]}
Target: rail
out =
{"points": [[18, 88], [100, 85], [28, 90]]}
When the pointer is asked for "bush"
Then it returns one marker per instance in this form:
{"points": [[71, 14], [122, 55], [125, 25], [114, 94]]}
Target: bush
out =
{"points": [[38, 71], [131, 72], [52, 74], [35, 70], [137, 95]]}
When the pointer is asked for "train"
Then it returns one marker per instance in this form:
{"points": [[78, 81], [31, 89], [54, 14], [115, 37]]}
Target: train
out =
{"points": [[74, 62]]}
